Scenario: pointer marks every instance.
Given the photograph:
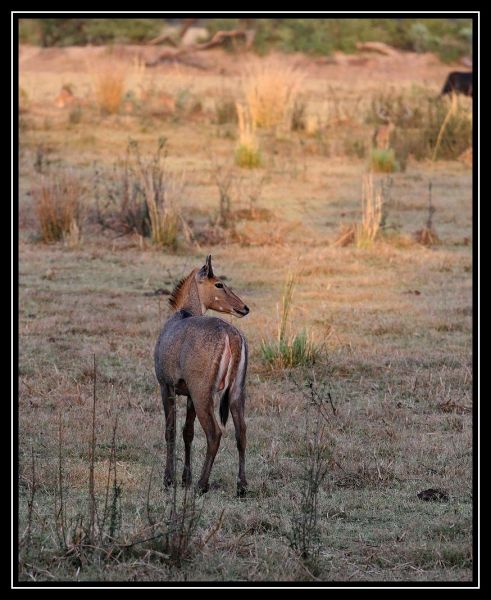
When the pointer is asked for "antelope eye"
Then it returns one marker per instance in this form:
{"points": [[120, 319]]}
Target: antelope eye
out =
{"points": [[219, 285]]}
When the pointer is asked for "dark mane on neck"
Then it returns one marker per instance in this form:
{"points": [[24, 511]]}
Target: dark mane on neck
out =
{"points": [[175, 299]]}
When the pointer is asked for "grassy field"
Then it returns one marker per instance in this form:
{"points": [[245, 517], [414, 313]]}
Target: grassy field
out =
{"points": [[392, 321]]}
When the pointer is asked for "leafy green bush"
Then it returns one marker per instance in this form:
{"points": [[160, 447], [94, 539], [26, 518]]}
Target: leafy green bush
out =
{"points": [[449, 38], [67, 32]]}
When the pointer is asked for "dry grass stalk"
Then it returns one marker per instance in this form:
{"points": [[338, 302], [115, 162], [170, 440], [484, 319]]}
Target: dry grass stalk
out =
{"points": [[60, 512], [92, 500], [451, 110], [270, 90], [30, 504], [371, 207]]}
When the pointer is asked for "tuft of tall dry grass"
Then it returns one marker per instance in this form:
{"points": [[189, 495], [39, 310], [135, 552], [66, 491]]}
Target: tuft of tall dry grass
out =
{"points": [[371, 210], [289, 351], [247, 151], [58, 207], [108, 80], [271, 88], [364, 234]]}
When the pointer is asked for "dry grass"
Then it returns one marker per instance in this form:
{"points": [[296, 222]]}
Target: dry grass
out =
{"points": [[289, 350], [364, 234], [271, 88], [396, 322], [58, 206], [247, 150], [108, 80], [371, 211]]}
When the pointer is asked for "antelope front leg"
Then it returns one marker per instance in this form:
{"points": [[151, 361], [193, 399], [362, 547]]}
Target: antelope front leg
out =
{"points": [[188, 435], [169, 402]]}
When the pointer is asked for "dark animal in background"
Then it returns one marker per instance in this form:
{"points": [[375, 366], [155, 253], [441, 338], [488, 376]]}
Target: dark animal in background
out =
{"points": [[458, 82]]}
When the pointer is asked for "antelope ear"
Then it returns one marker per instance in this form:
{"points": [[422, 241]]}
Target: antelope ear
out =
{"points": [[208, 264], [206, 270]]}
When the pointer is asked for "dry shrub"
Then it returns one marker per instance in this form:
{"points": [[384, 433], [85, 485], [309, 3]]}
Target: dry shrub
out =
{"points": [[271, 88], [162, 192], [109, 85], [58, 208], [143, 197]]}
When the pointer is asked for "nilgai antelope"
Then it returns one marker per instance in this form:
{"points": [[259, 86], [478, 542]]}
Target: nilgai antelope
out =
{"points": [[205, 359], [459, 82], [382, 134]]}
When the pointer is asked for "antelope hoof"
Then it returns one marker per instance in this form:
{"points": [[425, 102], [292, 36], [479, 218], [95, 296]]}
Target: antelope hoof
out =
{"points": [[202, 488], [168, 480], [241, 490], [186, 477]]}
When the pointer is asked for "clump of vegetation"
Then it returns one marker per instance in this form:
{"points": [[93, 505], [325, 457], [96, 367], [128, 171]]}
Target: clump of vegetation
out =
{"points": [[247, 152], [371, 210], [271, 88], [383, 160], [247, 156], [424, 127], [449, 38], [225, 110], [373, 217], [58, 207], [68, 32], [289, 351], [160, 196], [109, 86], [449, 130], [143, 197]]}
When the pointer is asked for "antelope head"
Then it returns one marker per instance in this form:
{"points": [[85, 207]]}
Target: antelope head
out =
{"points": [[215, 295]]}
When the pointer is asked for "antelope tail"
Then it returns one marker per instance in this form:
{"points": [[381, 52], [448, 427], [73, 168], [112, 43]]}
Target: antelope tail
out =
{"points": [[224, 407]]}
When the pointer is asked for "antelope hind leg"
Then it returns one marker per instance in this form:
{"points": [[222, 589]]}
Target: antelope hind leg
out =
{"points": [[237, 411], [169, 402], [188, 435], [206, 417]]}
